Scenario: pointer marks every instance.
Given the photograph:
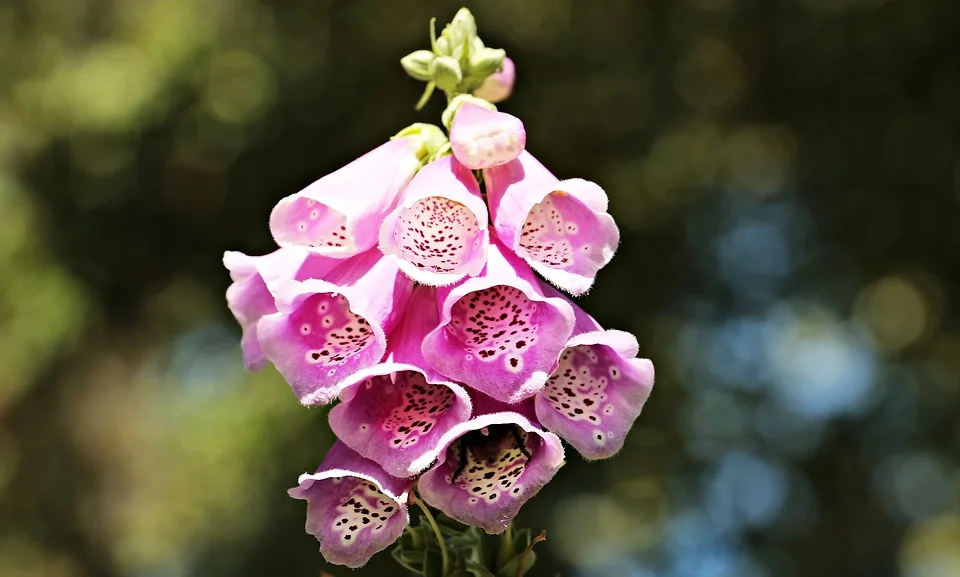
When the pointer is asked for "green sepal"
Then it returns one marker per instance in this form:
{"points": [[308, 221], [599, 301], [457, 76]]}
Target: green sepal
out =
{"points": [[433, 141], [485, 62]]}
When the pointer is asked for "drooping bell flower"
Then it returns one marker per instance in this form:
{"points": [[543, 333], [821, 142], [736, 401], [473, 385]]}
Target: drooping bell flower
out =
{"points": [[339, 215], [498, 333], [354, 508], [561, 228], [598, 391], [439, 230], [326, 330], [499, 85], [249, 297], [491, 465], [397, 412], [482, 138]]}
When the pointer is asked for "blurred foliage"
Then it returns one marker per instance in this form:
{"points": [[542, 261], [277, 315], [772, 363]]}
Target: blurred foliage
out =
{"points": [[786, 175]]}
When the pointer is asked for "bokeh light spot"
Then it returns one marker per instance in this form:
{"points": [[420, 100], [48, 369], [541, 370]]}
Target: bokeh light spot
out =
{"points": [[710, 75], [895, 311], [239, 87]]}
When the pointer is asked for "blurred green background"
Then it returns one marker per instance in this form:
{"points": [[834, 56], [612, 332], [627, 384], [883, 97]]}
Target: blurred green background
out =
{"points": [[786, 176]]}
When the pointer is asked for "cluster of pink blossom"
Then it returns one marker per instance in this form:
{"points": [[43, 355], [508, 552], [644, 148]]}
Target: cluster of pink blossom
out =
{"points": [[405, 289]]}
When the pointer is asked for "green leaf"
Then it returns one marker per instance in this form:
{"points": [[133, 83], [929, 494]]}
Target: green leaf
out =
{"points": [[432, 564], [513, 566], [478, 570], [410, 560]]}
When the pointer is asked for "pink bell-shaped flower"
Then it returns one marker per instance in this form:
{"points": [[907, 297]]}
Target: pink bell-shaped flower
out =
{"points": [[325, 330], [561, 228], [439, 230], [482, 138], [339, 215], [491, 465], [354, 508]]}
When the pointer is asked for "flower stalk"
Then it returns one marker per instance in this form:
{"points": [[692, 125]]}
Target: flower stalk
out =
{"points": [[441, 540]]}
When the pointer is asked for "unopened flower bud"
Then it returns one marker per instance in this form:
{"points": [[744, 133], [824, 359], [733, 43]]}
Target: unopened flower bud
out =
{"points": [[481, 138], [464, 23], [417, 64], [498, 86], [443, 46], [446, 73]]}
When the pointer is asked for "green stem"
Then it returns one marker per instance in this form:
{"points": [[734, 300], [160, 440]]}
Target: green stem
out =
{"points": [[427, 93], [436, 530], [506, 547]]}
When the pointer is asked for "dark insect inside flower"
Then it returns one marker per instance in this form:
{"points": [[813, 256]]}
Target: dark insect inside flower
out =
{"points": [[488, 445]]}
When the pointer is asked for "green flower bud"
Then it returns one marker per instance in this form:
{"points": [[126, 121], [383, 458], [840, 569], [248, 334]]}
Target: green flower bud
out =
{"points": [[451, 110], [443, 45], [417, 64], [446, 73], [465, 24]]}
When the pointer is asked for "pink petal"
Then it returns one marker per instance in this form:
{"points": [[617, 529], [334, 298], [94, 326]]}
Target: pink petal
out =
{"points": [[354, 508], [340, 214], [598, 390], [498, 333], [327, 330], [498, 86], [482, 138], [438, 232], [482, 477], [397, 412], [561, 228], [249, 297]]}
